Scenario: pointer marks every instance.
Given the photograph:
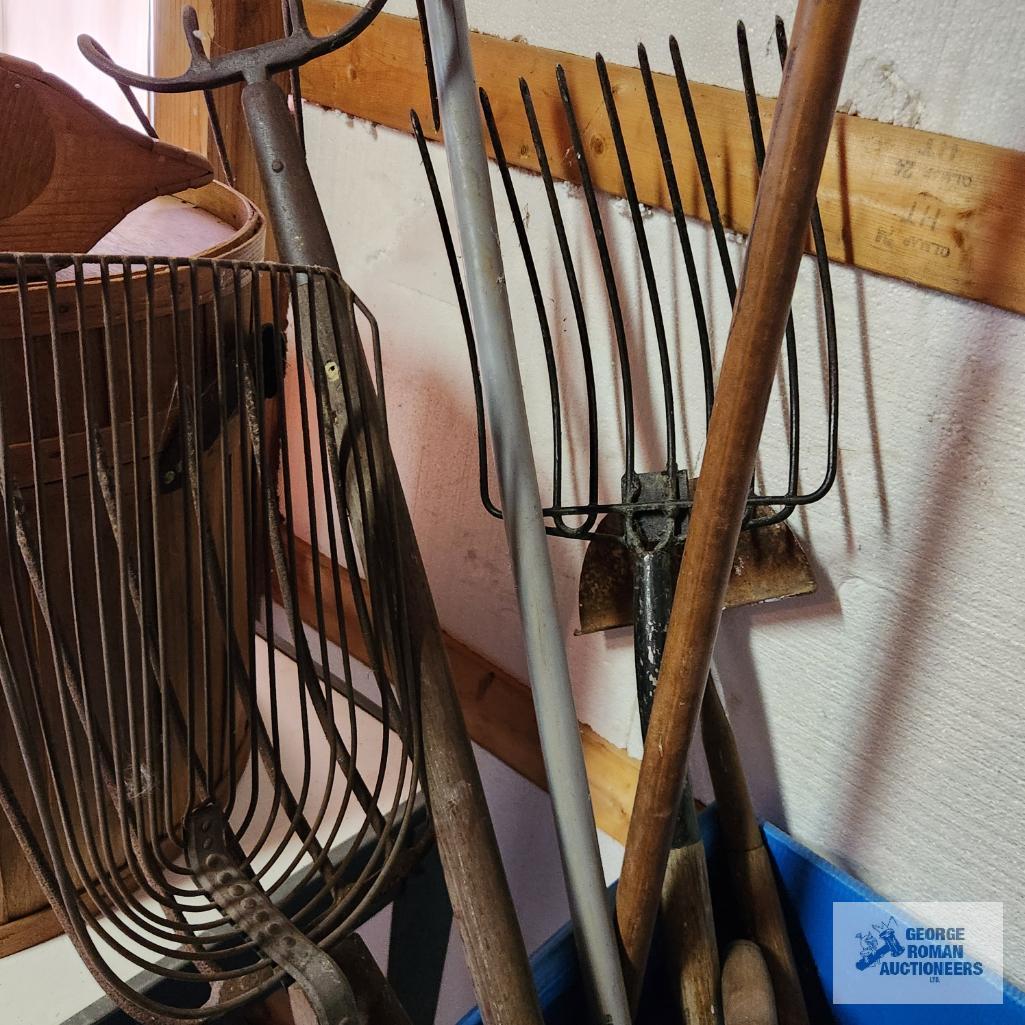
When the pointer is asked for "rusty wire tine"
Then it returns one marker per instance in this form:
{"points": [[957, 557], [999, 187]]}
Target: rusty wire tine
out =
{"points": [[36, 564], [245, 460], [34, 568], [133, 590], [303, 373], [484, 485], [63, 687], [133, 101], [676, 201], [286, 578], [114, 414], [576, 299], [287, 582], [365, 484], [184, 420], [608, 274], [223, 596], [649, 272], [120, 606], [155, 534], [194, 445], [73, 591], [129, 509], [143, 552], [316, 852], [113, 502], [197, 48]]}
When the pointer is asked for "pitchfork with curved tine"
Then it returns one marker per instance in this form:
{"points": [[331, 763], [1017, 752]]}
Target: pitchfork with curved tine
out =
{"points": [[352, 418]]}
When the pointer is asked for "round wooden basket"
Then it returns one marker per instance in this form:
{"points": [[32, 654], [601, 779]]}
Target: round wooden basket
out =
{"points": [[216, 222]]}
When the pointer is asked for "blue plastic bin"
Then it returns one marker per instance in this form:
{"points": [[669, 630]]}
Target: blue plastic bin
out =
{"points": [[809, 886]]}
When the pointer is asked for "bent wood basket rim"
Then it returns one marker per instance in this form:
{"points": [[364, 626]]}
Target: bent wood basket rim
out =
{"points": [[246, 242]]}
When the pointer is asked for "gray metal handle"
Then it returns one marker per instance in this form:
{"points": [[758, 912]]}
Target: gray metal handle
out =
{"points": [[521, 502]]}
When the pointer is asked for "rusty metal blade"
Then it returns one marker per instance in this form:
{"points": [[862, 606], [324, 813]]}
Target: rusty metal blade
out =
{"points": [[770, 564]]}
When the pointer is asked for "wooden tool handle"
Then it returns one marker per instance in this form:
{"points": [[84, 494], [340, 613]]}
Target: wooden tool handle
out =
{"points": [[811, 84], [689, 929], [746, 987], [754, 883]]}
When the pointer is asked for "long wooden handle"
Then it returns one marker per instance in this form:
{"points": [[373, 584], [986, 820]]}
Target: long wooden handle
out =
{"points": [[804, 115]]}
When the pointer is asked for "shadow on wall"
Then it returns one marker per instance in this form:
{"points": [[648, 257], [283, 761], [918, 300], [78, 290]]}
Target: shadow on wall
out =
{"points": [[898, 663]]}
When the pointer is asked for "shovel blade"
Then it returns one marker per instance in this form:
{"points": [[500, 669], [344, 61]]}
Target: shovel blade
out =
{"points": [[769, 564]]}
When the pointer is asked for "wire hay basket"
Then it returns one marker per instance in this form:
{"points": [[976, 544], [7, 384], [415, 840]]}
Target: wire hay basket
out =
{"points": [[184, 794]]}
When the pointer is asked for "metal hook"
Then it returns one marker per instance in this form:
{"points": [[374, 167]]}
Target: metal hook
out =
{"points": [[252, 64]]}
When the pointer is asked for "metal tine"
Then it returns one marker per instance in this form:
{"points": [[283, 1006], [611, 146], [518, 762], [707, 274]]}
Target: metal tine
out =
{"points": [[105, 482], [399, 613], [793, 381], [371, 488], [385, 524], [793, 499], [133, 101], [297, 17], [432, 78], [32, 567], [288, 589], [143, 550], [129, 573], [218, 134], [535, 285], [200, 58], [669, 172], [194, 452], [65, 671], [186, 425], [629, 187], [581, 322], [464, 314], [704, 173], [261, 745], [63, 685], [829, 312], [605, 259], [223, 595], [333, 738], [87, 719], [254, 386], [368, 800]]}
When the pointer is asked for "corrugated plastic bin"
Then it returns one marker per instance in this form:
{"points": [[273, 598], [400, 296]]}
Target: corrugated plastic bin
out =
{"points": [[809, 886]]}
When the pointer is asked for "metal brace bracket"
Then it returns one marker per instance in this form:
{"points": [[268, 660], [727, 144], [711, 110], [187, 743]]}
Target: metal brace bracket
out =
{"points": [[219, 872]]}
